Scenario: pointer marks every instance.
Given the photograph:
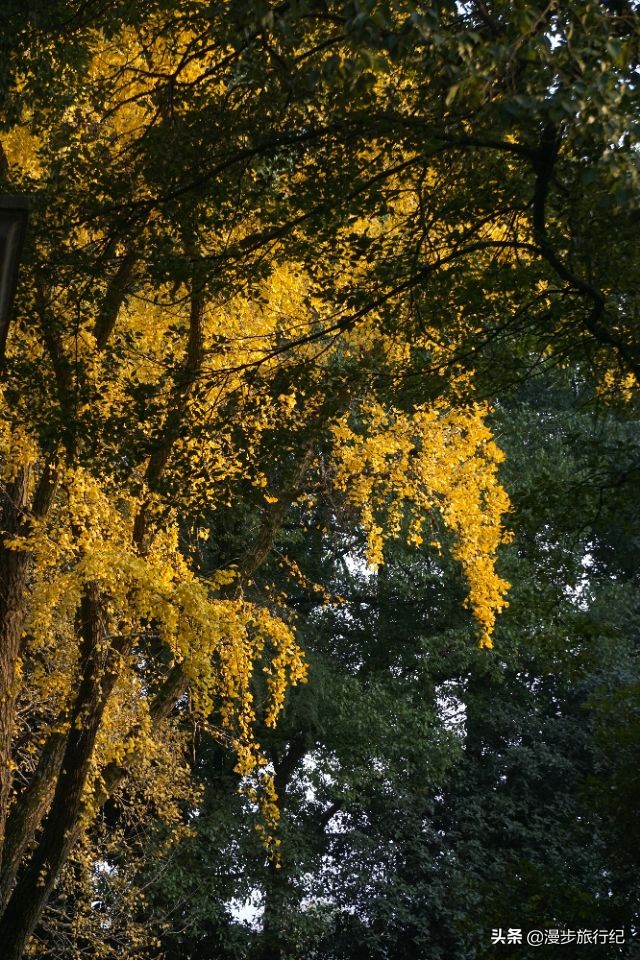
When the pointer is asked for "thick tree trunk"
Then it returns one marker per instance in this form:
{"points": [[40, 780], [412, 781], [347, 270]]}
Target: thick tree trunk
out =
{"points": [[34, 886], [13, 570], [28, 812]]}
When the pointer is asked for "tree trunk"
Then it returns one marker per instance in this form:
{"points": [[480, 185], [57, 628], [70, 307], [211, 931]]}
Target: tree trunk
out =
{"points": [[28, 812], [13, 570], [34, 886]]}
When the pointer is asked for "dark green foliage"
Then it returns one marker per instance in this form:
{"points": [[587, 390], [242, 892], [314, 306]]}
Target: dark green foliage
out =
{"points": [[431, 791]]}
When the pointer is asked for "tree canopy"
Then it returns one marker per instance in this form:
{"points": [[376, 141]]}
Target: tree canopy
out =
{"points": [[286, 263]]}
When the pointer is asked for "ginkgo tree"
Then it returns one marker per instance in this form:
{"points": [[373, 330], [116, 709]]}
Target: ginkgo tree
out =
{"points": [[268, 244]]}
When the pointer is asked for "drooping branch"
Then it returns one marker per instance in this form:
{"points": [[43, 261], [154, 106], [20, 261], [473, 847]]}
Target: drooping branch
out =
{"points": [[176, 683]]}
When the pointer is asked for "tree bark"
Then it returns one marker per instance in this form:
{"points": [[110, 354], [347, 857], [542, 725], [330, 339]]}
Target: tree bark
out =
{"points": [[34, 886], [13, 571], [28, 812]]}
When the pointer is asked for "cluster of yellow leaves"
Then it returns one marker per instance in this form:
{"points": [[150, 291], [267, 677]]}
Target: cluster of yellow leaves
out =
{"points": [[21, 150], [88, 540], [616, 387], [397, 467], [18, 447]]}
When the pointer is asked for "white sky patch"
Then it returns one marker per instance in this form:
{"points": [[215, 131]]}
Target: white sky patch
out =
{"points": [[452, 709], [248, 911], [578, 593], [358, 566]]}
